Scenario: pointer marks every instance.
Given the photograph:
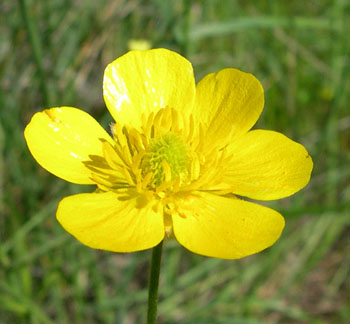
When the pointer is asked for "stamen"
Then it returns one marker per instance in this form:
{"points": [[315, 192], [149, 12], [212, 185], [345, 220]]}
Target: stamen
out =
{"points": [[138, 176], [164, 186], [166, 171], [110, 155], [156, 125], [117, 132], [100, 181], [190, 129], [176, 186], [146, 180], [137, 160], [148, 128], [175, 127], [195, 167], [129, 143], [136, 140], [128, 177], [127, 157], [171, 154], [166, 120]]}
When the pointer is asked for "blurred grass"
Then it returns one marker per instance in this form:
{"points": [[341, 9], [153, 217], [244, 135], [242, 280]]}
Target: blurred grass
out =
{"points": [[53, 53]]}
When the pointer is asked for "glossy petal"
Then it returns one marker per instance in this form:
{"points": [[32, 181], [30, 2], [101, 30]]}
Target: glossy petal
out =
{"points": [[267, 165], [61, 139], [226, 228], [111, 221], [229, 102], [145, 81]]}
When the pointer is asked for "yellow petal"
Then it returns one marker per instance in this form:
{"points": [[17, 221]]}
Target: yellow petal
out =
{"points": [[226, 228], [111, 221], [61, 139], [228, 102], [267, 165], [145, 81]]}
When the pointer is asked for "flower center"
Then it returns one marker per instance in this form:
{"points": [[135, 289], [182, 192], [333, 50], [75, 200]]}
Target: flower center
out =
{"points": [[166, 157]]}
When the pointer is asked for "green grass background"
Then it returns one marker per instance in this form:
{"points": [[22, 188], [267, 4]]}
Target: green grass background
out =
{"points": [[54, 52]]}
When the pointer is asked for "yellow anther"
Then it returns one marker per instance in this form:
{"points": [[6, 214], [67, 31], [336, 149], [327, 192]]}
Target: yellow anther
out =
{"points": [[175, 127], [176, 186], [166, 171], [166, 120], [128, 177], [164, 186], [166, 156], [156, 124], [137, 160], [111, 156], [195, 167], [148, 128], [135, 140], [117, 132], [146, 180], [127, 157], [190, 129]]}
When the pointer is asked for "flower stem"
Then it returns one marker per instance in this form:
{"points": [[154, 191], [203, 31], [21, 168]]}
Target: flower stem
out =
{"points": [[153, 284]]}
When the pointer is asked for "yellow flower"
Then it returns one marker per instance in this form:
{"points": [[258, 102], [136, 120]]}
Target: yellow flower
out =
{"points": [[179, 158], [139, 44]]}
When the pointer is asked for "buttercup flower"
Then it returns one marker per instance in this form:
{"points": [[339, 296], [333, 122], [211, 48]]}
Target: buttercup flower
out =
{"points": [[178, 161], [139, 44]]}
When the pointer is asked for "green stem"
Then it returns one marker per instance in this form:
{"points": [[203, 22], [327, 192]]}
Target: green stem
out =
{"points": [[35, 45], [153, 284]]}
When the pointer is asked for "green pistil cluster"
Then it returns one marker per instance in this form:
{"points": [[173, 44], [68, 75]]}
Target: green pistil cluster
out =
{"points": [[169, 148]]}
